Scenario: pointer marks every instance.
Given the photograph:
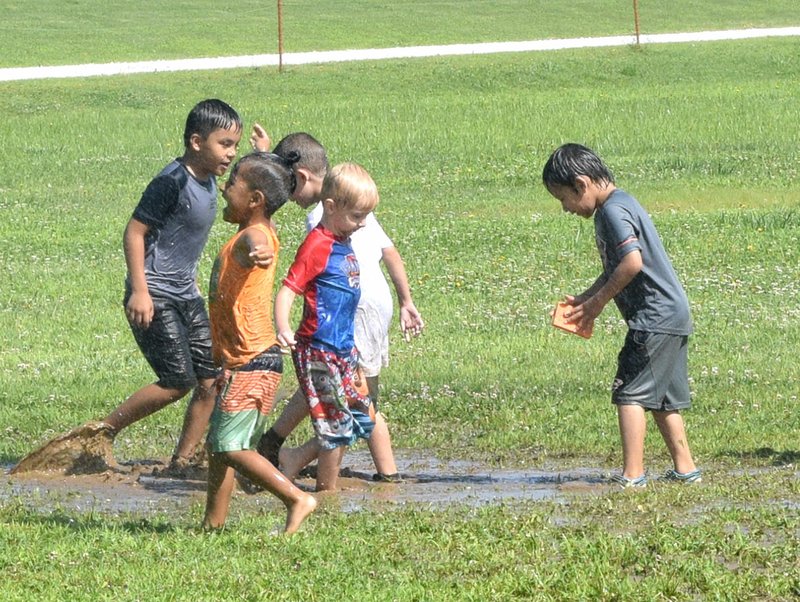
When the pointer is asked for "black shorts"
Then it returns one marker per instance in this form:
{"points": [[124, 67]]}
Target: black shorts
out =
{"points": [[652, 372], [177, 344]]}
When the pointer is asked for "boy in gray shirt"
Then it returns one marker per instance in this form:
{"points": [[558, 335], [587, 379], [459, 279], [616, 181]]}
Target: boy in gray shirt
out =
{"points": [[163, 242], [652, 372]]}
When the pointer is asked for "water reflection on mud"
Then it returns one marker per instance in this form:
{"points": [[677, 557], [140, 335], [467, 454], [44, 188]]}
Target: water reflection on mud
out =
{"points": [[146, 487]]}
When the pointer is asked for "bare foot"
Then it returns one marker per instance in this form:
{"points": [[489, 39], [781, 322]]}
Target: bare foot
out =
{"points": [[298, 512], [208, 527]]}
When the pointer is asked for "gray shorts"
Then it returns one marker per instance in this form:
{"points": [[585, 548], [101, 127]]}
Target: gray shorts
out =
{"points": [[652, 372]]}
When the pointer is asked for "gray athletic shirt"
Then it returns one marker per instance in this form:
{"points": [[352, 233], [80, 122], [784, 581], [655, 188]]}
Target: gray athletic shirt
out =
{"points": [[654, 301], [180, 211]]}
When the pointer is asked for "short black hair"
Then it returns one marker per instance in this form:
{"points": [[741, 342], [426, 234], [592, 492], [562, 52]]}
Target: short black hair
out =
{"points": [[311, 153], [571, 160], [209, 115]]}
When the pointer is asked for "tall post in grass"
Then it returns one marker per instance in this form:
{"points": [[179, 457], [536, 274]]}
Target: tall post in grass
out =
{"points": [[280, 36], [636, 19]]}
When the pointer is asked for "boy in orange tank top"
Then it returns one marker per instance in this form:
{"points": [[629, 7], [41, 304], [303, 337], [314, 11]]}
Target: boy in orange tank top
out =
{"points": [[244, 342]]}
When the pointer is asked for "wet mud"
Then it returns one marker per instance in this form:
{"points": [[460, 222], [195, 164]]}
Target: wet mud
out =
{"points": [[84, 449], [151, 487]]}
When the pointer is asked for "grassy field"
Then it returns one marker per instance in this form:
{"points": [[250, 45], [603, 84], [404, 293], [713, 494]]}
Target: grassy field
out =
{"points": [[55, 32], [705, 135]]}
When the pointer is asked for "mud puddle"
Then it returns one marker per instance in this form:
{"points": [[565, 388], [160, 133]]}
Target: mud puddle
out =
{"points": [[146, 487]]}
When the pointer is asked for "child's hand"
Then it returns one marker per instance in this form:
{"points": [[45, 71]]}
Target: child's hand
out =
{"points": [[262, 256], [259, 138], [568, 300], [286, 339], [576, 300], [410, 322], [583, 312], [139, 309]]}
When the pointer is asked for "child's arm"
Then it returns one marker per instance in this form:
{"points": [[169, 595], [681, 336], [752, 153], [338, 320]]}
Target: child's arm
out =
{"points": [[259, 138], [585, 313], [283, 306], [262, 256], [251, 248], [582, 298], [410, 319], [139, 308]]}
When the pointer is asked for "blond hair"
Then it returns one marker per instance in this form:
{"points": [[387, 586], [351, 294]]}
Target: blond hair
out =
{"points": [[350, 186]]}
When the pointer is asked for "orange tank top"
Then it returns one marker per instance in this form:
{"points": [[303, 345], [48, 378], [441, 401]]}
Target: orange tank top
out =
{"points": [[240, 305]]}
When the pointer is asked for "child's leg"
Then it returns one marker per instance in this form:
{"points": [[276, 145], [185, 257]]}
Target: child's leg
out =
{"points": [[380, 446], [295, 459], [329, 381], [298, 503], [147, 400], [380, 442], [195, 421], [672, 429], [220, 488], [197, 345], [291, 416], [328, 463], [632, 428]]}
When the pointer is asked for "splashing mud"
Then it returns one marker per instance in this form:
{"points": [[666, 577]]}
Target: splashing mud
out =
{"points": [[85, 449]]}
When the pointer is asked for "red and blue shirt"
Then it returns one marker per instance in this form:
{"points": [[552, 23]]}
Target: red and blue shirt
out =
{"points": [[325, 271]]}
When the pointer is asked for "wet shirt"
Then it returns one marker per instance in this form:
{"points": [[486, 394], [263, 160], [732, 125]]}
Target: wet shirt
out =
{"points": [[179, 211], [240, 302], [325, 271], [368, 244], [654, 301]]}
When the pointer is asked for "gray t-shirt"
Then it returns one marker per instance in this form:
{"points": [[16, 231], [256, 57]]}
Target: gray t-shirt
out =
{"points": [[180, 211], [654, 301]]}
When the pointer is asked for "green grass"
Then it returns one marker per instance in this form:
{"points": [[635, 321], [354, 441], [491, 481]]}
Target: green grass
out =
{"points": [[58, 32], [704, 135], [670, 544], [459, 172]]}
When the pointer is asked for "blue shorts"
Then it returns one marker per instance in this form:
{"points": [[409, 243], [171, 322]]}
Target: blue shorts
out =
{"points": [[652, 372], [177, 344]]}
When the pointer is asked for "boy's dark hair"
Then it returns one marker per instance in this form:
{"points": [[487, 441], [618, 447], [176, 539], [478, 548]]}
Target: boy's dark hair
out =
{"points": [[312, 154], [572, 160], [209, 115], [269, 173]]}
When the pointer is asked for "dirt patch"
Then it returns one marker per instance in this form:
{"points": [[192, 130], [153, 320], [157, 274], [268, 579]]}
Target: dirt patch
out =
{"points": [[145, 487]]}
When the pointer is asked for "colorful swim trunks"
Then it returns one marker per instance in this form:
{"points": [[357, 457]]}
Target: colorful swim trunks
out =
{"points": [[244, 399], [338, 403]]}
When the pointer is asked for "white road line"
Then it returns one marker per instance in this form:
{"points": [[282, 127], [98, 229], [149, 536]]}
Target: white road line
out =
{"points": [[370, 54]]}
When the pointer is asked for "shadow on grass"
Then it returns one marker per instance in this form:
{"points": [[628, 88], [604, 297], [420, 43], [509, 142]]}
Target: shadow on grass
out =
{"points": [[8, 461], [775, 457], [78, 523]]}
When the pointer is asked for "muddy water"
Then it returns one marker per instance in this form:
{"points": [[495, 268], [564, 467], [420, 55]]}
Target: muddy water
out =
{"points": [[84, 449], [148, 488]]}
